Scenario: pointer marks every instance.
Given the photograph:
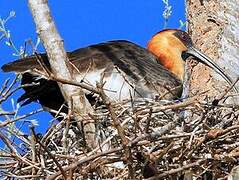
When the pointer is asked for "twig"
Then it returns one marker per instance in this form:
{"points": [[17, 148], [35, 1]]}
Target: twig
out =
{"points": [[14, 151], [84, 160], [9, 121], [174, 171], [4, 86], [33, 149], [4, 113], [216, 101], [49, 153], [117, 125]]}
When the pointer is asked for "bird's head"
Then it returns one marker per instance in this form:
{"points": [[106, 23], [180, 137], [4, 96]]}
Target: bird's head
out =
{"points": [[173, 47]]}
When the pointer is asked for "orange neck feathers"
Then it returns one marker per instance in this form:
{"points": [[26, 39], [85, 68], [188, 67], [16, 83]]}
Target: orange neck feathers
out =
{"points": [[168, 49]]}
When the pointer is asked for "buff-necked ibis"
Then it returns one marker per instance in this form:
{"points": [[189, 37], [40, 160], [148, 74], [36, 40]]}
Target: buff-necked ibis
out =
{"points": [[128, 69]]}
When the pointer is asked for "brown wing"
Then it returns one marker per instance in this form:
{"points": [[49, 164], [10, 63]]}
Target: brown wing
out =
{"points": [[134, 61]]}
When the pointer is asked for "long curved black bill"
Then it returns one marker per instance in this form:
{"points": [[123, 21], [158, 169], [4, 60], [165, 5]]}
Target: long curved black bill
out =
{"points": [[208, 62]]}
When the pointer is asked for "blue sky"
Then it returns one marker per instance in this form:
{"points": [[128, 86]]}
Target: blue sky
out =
{"points": [[81, 23]]}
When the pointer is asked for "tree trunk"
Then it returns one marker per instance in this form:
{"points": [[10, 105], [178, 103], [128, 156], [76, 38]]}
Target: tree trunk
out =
{"points": [[61, 67], [214, 27]]}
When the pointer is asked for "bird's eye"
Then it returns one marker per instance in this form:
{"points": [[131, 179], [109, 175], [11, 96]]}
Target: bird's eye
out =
{"points": [[183, 36]]}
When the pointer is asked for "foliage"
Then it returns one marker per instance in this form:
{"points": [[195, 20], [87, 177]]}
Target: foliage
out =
{"points": [[167, 13], [5, 35]]}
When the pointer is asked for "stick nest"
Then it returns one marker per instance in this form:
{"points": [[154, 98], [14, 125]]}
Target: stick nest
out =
{"points": [[159, 140]]}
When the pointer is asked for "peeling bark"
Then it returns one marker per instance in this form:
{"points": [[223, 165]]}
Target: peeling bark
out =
{"points": [[60, 66], [214, 28]]}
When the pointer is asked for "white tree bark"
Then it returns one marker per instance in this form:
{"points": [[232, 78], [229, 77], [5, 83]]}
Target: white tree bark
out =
{"points": [[61, 68], [229, 50], [214, 27]]}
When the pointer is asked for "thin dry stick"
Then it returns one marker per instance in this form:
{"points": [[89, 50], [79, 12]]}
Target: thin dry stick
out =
{"points": [[33, 149], [10, 86], [49, 153], [67, 126], [9, 93], [119, 128], [14, 152], [4, 113], [114, 133], [216, 101], [113, 115], [212, 134], [175, 106], [174, 171], [52, 77], [85, 160], [9, 121], [4, 86]]}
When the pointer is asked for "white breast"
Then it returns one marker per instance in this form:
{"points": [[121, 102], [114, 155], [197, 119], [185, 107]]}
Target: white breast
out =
{"points": [[116, 87]]}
